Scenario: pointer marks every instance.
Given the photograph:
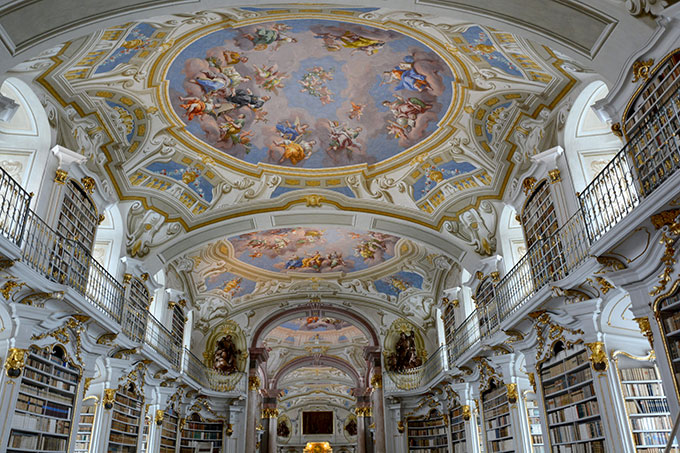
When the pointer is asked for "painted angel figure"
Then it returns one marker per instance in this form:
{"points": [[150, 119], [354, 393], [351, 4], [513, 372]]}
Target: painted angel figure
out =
{"points": [[263, 37], [343, 137], [295, 151], [406, 76], [357, 111], [195, 106], [293, 131], [269, 77], [350, 40]]}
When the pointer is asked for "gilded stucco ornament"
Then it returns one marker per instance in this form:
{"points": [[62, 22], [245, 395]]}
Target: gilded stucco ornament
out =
{"points": [[107, 338], [616, 130], [160, 414], [554, 176], [109, 396], [61, 176], [254, 383], [10, 287], [486, 372], [571, 295], [88, 184], [646, 329], [548, 332], [532, 380], [528, 185], [466, 412], [376, 381], [270, 413], [400, 426], [641, 68], [363, 412], [14, 363], [598, 356], [513, 395], [71, 329]]}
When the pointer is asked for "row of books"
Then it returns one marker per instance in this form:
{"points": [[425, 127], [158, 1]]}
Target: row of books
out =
{"points": [[559, 365], [47, 380], [596, 446], [427, 432], [571, 433], [460, 447], [32, 390], [674, 347], [443, 449], [650, 423], [501, 445], [672, 322], [126, 400], [202, 435], [118, 426], [71, 376], [52, 358], [36, 442], [657, 91], [646, 406], [573, 413], [498, 433], [126, 439], [37, 423], [40, 407], [582, 393], [499, 421], [204, 426], [651, 438], [425, 423], [427, 442], [125, 414], [648, 389]]}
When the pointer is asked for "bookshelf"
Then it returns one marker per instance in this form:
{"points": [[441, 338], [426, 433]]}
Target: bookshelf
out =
{"points": [[496, 410], [125, 423], [646, 406], [145, 434], [44, 409], [427, 434], [449, 319], [668, 314], [652, 123], [85, 424], [169, 431], [573, 414], [535, 428], [458, 434], [201, 434]]}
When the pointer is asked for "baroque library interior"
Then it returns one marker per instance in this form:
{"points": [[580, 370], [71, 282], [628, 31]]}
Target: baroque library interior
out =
{"points": [[425, 226]]}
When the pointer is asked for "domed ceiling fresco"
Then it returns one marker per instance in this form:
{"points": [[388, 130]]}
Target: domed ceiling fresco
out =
{"points": [[301, 92]]}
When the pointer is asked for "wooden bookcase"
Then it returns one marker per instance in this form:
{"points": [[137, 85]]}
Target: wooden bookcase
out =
{"points": [[645, 403], [427, 434], [496, 411], [535, 428], [458, 432], [169, 431], [85, 425], [125, 423], [573, 412], [44, 409], [198, 432]]}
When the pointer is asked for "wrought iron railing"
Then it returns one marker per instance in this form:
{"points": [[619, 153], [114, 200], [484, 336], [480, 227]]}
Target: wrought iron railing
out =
{"points": [[416, 377], [161, 340], [14, 202], [210, 378]]}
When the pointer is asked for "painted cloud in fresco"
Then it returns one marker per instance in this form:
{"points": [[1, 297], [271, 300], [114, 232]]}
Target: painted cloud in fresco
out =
{"points": [[313, 250], [301, 92]]}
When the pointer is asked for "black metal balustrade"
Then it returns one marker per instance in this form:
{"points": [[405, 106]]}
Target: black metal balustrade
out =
{"points": [[14, 202], [162, 341]]}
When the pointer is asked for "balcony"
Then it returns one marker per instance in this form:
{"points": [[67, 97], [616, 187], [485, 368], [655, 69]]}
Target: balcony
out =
{"points": [[643, 165], [63, 261]]}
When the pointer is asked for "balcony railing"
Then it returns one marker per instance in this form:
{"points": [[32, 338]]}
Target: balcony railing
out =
{"points": [[414, 378], [14, 202], [163, 341], [210, 378]]}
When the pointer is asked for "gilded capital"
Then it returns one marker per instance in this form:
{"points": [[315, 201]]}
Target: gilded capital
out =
{"points": [[554, 176], [270, 413], [253, 383], [376, 381], [160, 413], [598, 356], [61, 176], [513, 396], [646, 329], [364, 412], [109, 396], [14, 363], [466, 412], [400, 426]]}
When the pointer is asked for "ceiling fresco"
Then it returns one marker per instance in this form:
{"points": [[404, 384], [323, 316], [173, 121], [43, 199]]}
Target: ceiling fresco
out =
{"points": [[301, 92], [312, 250], [315, 331]]}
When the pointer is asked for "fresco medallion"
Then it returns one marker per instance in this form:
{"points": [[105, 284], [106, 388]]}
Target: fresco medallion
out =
{"points": [[314, 250], [309, 93]]}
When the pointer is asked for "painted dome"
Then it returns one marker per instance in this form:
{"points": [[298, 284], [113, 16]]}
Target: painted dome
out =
{"points": [[309, 93]]}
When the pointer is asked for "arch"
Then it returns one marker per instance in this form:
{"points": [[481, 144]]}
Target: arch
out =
{"points": [[341, 313], [319, 360]]}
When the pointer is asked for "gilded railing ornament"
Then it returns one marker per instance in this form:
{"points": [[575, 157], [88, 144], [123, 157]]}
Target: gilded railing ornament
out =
{"points": [[466, 412], [646, 329], [109, 396], [254, 383], [598, 356], [14, 363]]}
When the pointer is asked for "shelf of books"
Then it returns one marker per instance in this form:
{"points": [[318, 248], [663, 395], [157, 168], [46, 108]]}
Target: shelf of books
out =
{"points": [[496, 410], [458, 434], [84, 436], [573, 413], [427, 434], [668, 311], [200, 435], [646, 407], [145, 434], [44, 409], [169, 431], [535, 428], [125, 423]]}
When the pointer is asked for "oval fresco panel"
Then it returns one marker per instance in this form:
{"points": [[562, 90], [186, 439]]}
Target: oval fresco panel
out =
{"points": [[314, 250], [301, 92]]}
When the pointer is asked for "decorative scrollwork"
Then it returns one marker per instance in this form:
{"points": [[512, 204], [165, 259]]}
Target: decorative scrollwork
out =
{"points": [[548, 330]]}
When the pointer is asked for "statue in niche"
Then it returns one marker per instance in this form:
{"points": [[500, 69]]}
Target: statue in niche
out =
{"points": [[226, 355], [406, 355], [282, 430], [351, 427]]}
